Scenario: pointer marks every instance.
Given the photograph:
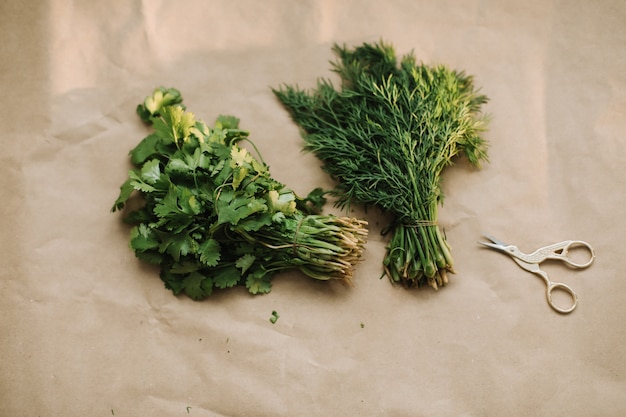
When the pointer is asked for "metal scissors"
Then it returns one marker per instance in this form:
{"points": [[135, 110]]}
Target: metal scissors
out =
{"points": [[530, 262]]}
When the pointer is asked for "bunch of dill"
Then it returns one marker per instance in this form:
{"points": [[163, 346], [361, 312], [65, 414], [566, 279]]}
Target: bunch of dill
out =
{"points": [[385, 135]]}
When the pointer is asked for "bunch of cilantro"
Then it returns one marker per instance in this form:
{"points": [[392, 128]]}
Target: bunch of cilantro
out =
{"points": [[211, 216]]}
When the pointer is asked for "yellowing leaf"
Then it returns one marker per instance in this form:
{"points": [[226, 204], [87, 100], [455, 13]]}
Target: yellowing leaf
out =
{"points": [[284, 203], [259, 282], [239, 174], [153, 102], [239, 156], [179, 121]]}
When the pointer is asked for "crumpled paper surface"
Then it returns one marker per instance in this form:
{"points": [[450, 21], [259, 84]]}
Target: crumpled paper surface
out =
{"points": [[88, 330]]}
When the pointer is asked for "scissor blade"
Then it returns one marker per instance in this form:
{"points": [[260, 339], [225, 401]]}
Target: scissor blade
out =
{"points": [[494, 244]]}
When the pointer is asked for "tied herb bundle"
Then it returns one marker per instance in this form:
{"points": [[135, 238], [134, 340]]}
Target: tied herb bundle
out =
{"points": [[386, 135], [213, 217]]}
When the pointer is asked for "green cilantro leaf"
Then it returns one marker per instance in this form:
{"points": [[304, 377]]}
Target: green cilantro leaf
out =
{"points": [[217, 168], [315, 200], [172, 282], [234, 206], [177, 165], [197, 286], [178, 122], [193, 160], [125, 192], [245, 262], [231, 208], [209, 251], [163, 131], [239, 174], [150, 256], [185, 267], [227, 122], [177, 245], [169, 204], [254, 223], [145, 149], [278, 217], [151, 172], [227, 277], [138, 183], [142, 238], [259, 282], [203, 160], [187, 202]]}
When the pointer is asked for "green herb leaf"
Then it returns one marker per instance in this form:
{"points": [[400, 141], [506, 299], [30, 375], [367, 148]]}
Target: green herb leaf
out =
{"points": [[176, 165], [258, 282], [150, 257], [209, 251], [151, 172], [227, 277], [245, 262], [185, 267], [126, 189], [256, 223], [239, 174], [147, 148], [176, 245], [142, 238], [188, 202], [169, 204], [138, 183], [227, 122], [197, 286]]}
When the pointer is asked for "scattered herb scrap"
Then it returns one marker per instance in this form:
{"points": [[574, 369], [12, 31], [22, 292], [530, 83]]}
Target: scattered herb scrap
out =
{"points": [[213, 217], [274, 318], [386, 135]]}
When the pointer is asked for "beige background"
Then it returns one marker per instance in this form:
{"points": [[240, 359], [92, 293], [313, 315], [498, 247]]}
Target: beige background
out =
{"points": [[89, 331]]}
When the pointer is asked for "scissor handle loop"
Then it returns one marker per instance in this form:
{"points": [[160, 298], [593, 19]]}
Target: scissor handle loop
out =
{"points": [[560, 251], [564, 287]]}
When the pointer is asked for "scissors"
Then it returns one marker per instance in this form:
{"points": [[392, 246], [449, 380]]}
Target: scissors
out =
{"points": [[530, 262]]}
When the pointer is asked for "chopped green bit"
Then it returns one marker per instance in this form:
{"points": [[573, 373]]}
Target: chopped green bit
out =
{"points": [[274, 317]]}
